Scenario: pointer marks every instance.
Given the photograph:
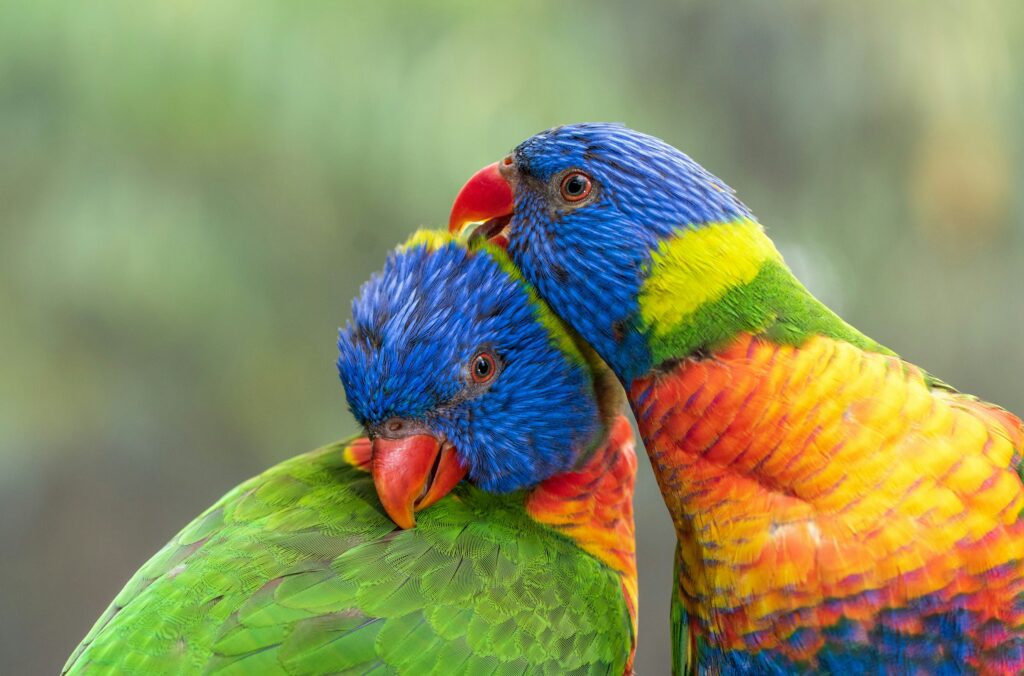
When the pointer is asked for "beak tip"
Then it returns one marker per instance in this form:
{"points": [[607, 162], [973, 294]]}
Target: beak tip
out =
{"points": [[404, 522]]}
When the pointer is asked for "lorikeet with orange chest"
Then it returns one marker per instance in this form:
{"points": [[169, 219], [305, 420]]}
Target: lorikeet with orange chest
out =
{"points": [[454, 368], [837, 508]]}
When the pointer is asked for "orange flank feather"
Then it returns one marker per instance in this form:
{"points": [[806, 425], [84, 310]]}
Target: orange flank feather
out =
{"points": [[816, 483], [594, 506]]}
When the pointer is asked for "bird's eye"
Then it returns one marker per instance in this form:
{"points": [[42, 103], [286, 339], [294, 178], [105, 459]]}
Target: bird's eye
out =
{"points": [[482, 369], [575, 186]]}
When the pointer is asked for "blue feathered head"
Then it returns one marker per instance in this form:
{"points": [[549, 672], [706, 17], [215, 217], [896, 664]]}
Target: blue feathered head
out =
{"points": [[581, 208], [450, 341]]}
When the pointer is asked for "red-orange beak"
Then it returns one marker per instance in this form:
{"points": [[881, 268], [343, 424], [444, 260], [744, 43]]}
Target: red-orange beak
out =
{"points": [[412, 473], [484, 206]]}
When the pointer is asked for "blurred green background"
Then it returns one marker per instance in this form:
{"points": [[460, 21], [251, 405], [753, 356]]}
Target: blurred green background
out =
{"points": [[191, 193]]}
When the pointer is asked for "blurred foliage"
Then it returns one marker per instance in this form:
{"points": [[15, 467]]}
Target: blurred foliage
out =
{"points": [[190, 194]]}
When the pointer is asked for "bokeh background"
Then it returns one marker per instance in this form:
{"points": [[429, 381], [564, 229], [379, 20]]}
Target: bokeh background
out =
{"points": [[191, 192]]}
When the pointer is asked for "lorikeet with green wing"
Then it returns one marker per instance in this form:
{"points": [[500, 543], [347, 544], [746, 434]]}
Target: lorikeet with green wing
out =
{"points": [[455, 369], [838, 509]]}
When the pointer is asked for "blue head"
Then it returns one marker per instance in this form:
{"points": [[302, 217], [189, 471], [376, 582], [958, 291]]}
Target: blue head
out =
{"points": [[585, 207], [449, 343]]}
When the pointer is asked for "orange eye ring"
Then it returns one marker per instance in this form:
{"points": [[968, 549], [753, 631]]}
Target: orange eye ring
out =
{"points": [[575, 186], [482, 369]]}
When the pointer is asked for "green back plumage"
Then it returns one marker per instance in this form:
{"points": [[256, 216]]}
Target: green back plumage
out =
{"points": [[299, 571]]}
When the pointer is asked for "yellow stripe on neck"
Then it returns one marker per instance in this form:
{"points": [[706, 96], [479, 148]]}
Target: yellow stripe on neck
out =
{"points": [[699, 266]]}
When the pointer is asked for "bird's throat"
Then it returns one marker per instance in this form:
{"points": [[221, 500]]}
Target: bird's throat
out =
{"points": [[593, 505]]}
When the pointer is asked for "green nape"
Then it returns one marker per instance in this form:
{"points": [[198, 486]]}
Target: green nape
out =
{"points": [[774, 304], [299, 571]]}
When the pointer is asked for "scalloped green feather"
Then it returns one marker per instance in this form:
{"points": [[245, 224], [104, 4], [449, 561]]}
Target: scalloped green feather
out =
{"points": [[299, 571]]}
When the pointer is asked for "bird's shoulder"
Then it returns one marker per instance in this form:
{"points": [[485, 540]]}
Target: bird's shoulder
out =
{"points": [[300, 570]]}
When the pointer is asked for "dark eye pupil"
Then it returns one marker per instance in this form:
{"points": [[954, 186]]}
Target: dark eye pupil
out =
{"points": [[575, 185], [482, 368]]}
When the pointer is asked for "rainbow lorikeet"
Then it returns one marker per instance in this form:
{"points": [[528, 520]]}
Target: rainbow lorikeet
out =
{"points": [[838, 509], [454, 368]]}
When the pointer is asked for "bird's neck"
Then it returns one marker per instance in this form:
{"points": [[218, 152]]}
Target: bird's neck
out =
{"points": [[770, 423], [706, 285], [593, 505]]}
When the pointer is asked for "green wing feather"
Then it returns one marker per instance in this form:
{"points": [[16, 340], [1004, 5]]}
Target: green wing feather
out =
{"points": [[299, 571]]}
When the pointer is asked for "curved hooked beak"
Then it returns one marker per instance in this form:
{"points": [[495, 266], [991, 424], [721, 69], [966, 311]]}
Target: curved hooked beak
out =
{"points": [[484, 206], [413, 472]]}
